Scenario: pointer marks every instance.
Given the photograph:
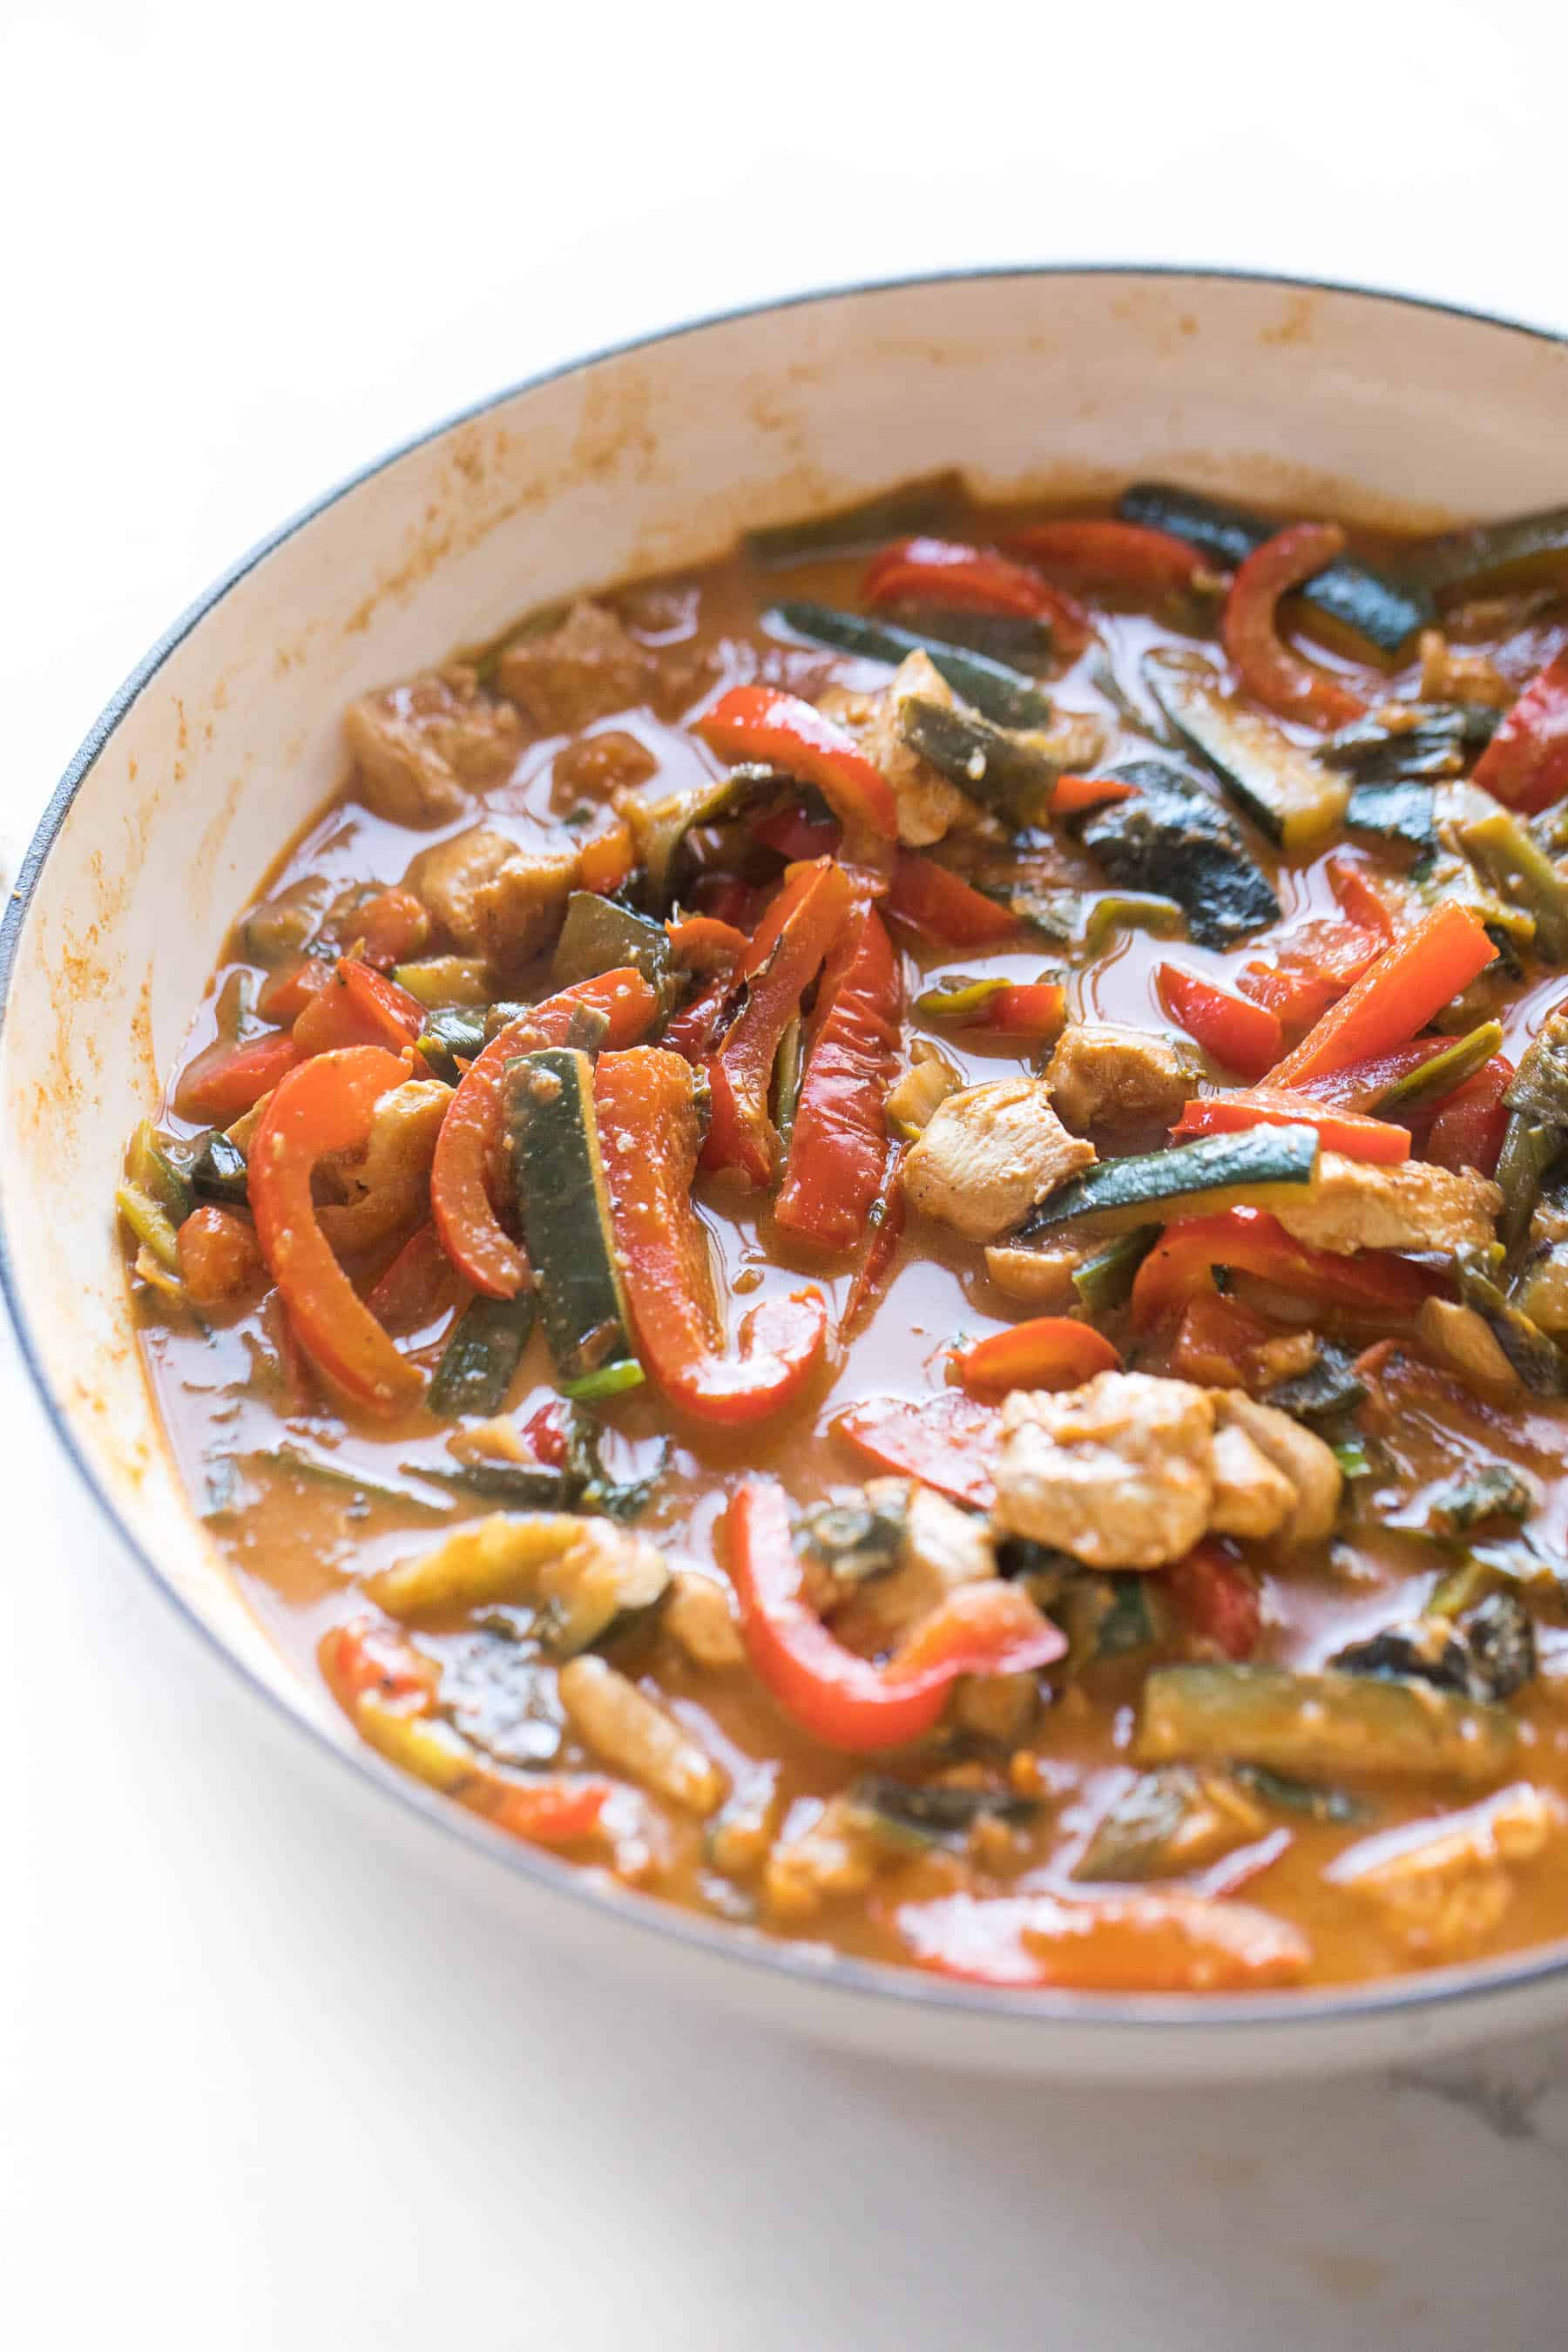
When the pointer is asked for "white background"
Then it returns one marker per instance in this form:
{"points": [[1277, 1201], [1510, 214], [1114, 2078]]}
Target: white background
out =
{"points": [[257, 2089]]}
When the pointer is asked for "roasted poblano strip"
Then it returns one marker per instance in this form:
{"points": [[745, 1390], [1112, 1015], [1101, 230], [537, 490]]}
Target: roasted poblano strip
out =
{"points": [[1168, 1822], [903, 512], [1430, 1081], [481, 1357], [1320, 1723], [1173, 838], [1412, 742], [1105, 1279], [1002, 694], [359, 1486], [1009, 769], [1538, 1361], [452, 1033], [1285, 790], [1384, 611], [1329, 1387], [599, 936], [1510, 857], [1406, 813]]}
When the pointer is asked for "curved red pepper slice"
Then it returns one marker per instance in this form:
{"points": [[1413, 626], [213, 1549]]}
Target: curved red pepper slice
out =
{"points": [[1115, 555], [1168, 1941], [471, 1233], [1050, 1351], [950, 1442], [972, 579], [321, 1105], [943, 906], [359, 1006], [839, 1142], [1249, 1241], [1525, 766], [1314, 965], [1268, 670], [787, 949], [1076, 795], [650, 1137], [795, 834], [225, 1080], [843, 1699], [1248, 1038], [761, 722]]}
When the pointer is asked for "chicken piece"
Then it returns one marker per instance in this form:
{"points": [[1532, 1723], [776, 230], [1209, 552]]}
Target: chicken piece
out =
{"points": [[518, 913], [940, 1548], [1442, 1886], [928, 804], [1116, 1472], [1450, 676], [1041, 1279], [914, 1101], [445, 878], [1303, 1459], [624, 1726], [492, 898], [1100, 1074], [989, 1156], [1354, 1205], [582, 670], [385, 1182], [423, 749], [1251, 1497], [698, 1616]]}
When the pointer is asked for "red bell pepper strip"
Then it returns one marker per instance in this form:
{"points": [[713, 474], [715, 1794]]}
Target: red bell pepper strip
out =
{"points": [[695, 1030], [1214, 1341], [359, 1006], [607, 858], [1052, 1351], [1414, 978], [795, 834], [702, 943], [839, 1140], [649, 1134], [1169, 1942], [325, 1105], [1314, 965], [759, 722], [787, 949], [1468, 1128], [1525, 766], [1217, 1599], [225, 1080], [1248, 1038], [1114, 555], [1181, 1264], [545, 1435], [1076, 795], [1028, 1008], [1358, 1137], [950, 1442], [838, 1696], [730, 899], [362, 1659], [1360, 899], [972, 579], [284, 993], [943, 906], [1268, 670], [460, 1178], [408, 1293], [545, 1812], [365, 1665], [872, 1273], [1360, 1085]]}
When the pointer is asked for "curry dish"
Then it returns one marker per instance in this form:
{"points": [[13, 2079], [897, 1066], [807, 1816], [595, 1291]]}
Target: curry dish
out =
{"points": [[873, 1237]]}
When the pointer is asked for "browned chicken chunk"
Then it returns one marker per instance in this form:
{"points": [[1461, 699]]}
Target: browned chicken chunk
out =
{"points": [[423, 750]]}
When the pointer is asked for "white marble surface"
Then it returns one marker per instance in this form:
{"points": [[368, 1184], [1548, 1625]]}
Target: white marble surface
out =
{"points": [[256, 2089]]}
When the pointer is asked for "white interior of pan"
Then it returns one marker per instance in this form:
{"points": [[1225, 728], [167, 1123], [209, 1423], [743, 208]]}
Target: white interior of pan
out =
{"points": [[628, 465]]}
